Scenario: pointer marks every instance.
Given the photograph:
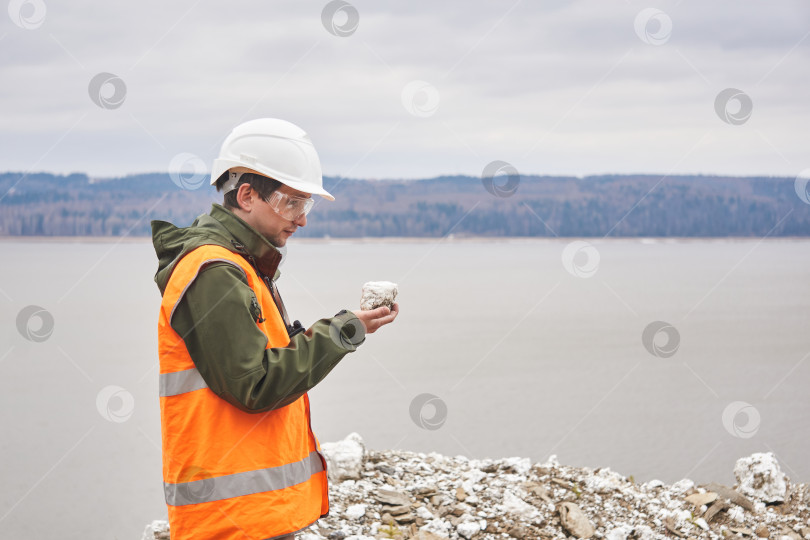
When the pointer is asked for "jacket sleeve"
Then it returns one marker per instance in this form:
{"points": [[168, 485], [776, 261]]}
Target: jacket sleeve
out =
{"points": [[216, 321]]}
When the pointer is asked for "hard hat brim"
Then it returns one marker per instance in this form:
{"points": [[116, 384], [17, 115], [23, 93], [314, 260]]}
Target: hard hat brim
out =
{"points": [[223, 165]]}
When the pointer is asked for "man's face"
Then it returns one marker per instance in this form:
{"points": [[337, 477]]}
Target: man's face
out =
{"points": [[272, 226]]}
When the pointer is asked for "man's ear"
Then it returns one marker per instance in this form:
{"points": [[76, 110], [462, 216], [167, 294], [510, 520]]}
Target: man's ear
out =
{"points": [[245, 197]]}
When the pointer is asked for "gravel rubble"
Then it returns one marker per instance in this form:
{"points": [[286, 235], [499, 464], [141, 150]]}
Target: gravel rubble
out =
{"points": [[401, 495]]}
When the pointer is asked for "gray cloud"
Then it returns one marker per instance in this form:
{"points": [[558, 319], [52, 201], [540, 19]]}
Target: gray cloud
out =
{"points": [[552, 87]]}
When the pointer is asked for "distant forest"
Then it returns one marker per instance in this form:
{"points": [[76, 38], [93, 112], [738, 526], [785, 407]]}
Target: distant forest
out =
{"points": [[540, 206]]}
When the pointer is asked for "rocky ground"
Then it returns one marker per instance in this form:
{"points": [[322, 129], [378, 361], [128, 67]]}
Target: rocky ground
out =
{"points": [[401, 495]]}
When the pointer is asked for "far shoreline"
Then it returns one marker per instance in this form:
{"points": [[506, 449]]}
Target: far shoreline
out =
{"points": [[427, 240]]}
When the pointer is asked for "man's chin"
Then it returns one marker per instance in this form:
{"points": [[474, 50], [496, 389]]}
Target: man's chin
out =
{"points": [[278, 241]]}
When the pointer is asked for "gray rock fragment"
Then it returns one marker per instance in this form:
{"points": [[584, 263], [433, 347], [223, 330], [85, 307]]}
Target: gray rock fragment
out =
{"points": [[390, 471], [398, 510], [731, 495], [389, 496], [575, 521]]}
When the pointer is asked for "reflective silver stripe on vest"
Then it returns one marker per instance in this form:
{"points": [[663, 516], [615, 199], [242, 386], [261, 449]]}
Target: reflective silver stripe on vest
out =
{"points": [[180, 382], [244, 483]]}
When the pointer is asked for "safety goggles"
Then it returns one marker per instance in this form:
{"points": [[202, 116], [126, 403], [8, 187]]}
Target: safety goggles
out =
{"points": [[289, 207]]}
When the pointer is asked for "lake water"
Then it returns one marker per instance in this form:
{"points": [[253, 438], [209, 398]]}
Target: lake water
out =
{"points": [[527, 359]]}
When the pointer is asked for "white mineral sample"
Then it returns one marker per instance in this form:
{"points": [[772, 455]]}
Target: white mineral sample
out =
{"points": [[378, 293]]}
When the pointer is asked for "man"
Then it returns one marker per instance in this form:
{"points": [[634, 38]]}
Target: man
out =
{"points": [[239, 456]]}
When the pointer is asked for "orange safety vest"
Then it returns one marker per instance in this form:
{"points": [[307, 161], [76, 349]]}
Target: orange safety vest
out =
{"points": [[229, 474]]}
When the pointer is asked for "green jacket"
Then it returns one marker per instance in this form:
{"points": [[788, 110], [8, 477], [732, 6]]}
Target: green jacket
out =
{"points": [[216, 318]]}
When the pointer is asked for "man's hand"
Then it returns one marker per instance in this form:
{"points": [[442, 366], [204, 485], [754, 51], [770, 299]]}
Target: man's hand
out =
{"points": [[375, 318]]}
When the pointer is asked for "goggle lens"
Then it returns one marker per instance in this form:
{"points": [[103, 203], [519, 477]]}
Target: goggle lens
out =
{"points": [[290, 207]]}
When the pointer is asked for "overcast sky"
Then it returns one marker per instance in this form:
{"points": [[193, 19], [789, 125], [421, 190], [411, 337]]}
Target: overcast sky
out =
{"points": [[411, 89]]}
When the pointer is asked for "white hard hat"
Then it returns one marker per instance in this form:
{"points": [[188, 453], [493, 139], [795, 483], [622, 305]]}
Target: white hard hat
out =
{"points": [[274, 148]]}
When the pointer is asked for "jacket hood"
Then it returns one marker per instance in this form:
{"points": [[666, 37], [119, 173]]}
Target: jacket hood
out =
{"points": [[220, 228]]}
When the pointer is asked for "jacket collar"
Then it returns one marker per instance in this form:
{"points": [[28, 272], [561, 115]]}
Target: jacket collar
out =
{"points": [[249, 242]]}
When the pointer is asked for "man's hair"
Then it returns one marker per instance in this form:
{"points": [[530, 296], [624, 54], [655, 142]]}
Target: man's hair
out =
{"points": [[263, 185]]}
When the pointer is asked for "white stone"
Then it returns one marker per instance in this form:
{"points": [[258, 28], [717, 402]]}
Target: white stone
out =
{"points": [[512, 504], [519, 464], [156, 528], [468, 529], [682, 486], [760, 477], [551, 462], [605, 480], [356, 511], [652, 484], [619, 533], [736, 513], [424, 513], [682, 516], [513, 478], [378, 293], [700, 522], [344, 458], [438, 526], [474, 475], [643, 532]]}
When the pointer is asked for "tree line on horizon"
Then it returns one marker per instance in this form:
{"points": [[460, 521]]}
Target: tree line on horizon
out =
{"points": [[540, 206]]}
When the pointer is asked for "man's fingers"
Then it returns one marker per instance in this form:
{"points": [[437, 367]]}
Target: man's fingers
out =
{"points": [[388, 316], [381, 311], [380, 317], [375, 318]]}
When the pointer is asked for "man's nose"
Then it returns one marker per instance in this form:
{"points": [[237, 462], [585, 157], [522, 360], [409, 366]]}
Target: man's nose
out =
{"points": [[301, 220]]}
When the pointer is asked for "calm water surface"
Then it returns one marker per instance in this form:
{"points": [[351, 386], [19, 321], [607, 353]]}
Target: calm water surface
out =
{"points": [[528, 359]]}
